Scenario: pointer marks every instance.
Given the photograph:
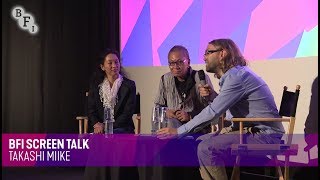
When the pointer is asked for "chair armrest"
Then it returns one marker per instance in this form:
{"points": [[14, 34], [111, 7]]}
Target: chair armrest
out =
{"points": [[260, 119], [264, 149], [241, 120], [81, 117], [83, 122], [138, 123], [138, 117]]}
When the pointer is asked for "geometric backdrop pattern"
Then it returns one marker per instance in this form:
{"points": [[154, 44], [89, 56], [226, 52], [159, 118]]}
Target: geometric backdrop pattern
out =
{"points": [[263, 29]]}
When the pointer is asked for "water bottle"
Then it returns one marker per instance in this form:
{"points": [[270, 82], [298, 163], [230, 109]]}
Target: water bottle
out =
{"points": [[108, 121], [159, 119], [163, 117], [155, 123]]}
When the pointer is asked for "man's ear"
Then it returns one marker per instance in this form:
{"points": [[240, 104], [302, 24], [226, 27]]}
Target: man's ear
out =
{"points": [[221, 59], [223, 54]]}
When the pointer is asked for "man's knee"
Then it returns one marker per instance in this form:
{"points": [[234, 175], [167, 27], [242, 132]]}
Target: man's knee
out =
{"points": [[204, 147]]}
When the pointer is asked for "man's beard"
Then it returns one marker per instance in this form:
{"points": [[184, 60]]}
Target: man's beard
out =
{"points": [[210, 69]]}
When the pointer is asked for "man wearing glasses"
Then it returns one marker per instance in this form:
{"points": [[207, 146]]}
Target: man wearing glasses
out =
{"points": [[242, 94], [179, 89]]}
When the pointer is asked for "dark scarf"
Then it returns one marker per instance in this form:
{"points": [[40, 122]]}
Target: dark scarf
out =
{"points": [[184, 87]]}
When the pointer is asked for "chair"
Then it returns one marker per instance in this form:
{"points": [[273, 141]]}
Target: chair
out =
{"points": [[287, 111], [83, 120], [216, 127]]}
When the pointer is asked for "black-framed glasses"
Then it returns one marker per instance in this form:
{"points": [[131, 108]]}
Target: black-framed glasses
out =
{"points": [[178, 63], [211, 51]]}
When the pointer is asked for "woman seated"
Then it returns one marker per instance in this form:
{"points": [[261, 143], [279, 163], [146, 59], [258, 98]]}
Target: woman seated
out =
{"points": [[111, 89]]}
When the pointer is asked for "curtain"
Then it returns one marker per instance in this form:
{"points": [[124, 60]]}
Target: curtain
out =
{"points": [[45, 76]]}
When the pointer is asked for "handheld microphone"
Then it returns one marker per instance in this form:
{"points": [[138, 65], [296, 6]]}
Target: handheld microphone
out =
{"points": [[202, 78]]}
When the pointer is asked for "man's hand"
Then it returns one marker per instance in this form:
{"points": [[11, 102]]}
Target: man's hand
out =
{"points": [[204, 90], [182, 115], [98, 128], [167, 133], [171, 113]]}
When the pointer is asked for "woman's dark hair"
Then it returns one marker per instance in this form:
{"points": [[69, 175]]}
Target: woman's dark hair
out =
{"points": [[234, 56], [99, 74]]}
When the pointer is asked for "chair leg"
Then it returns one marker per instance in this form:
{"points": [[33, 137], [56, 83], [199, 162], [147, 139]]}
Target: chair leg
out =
{"points": [[286, 168], [236, 170], [85, 126], [278, 168], [280, 173], [80, 126], [139, 123]]}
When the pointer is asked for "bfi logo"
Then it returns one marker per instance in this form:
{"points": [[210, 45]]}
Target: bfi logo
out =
{"points": [[25, 20]]}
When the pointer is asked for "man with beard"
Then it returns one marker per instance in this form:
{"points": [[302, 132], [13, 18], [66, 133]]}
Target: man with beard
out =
{"points": [[243, 94]]}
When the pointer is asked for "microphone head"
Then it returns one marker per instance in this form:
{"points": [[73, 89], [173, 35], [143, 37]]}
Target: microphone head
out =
{"points": [[202, 77]]}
